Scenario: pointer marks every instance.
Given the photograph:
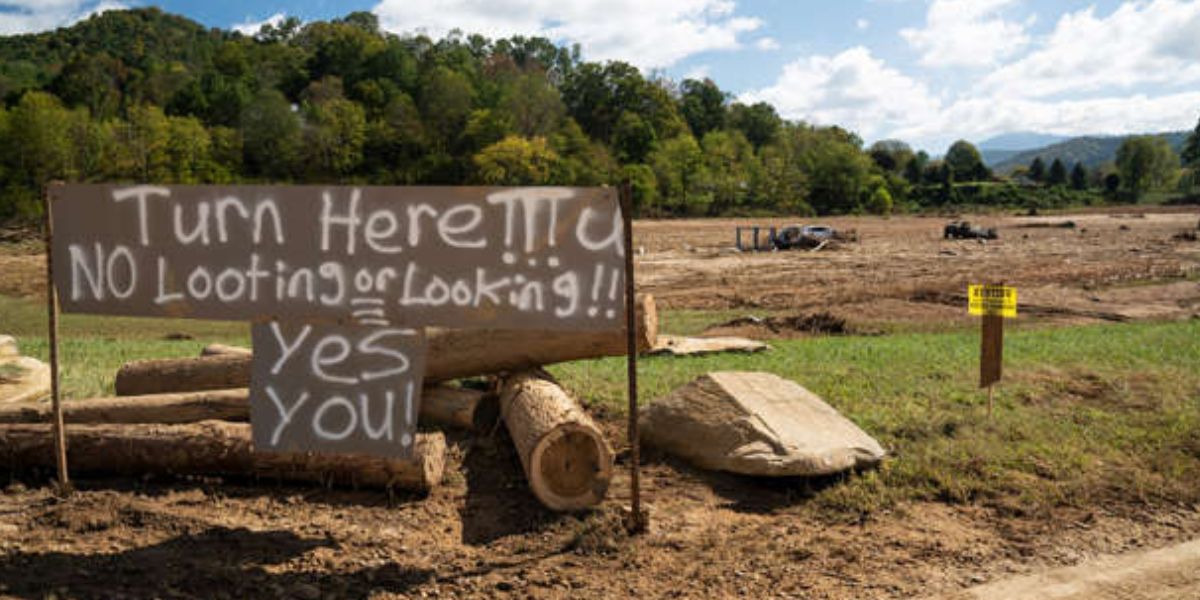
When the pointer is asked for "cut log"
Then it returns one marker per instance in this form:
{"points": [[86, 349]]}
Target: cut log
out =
{"points": [[190, 407], [567, 461], [165, 375], [441, 406], [455, 353], [223, 349], [213, 448], [458, 407], [451, 354]]}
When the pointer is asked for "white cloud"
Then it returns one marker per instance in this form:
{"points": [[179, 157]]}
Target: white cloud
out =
{"points": [[979, 118], [862, 24], [646, 34], [852, 89], [249, 27], [1138, 44], [860, 92], [31, 16], [766, 44], [966, 33]]}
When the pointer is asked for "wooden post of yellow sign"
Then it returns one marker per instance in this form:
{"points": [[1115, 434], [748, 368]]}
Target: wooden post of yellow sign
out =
{"points": [[994, 303]]}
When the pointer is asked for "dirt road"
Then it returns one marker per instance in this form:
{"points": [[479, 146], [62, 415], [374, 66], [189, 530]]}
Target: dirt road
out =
{"points": [[1171, 573]]}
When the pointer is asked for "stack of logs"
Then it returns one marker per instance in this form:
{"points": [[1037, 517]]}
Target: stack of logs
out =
{"points": [[188, 416]]}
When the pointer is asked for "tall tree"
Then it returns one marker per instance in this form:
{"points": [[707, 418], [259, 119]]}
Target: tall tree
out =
{"points": [[1079, 177], [1191, 148], [1146, 162], [703, 106], [271, 136], [892, 156], [965, 162], [1058, 173], [1037, 169], [758, 122], [633, 138], [515, 161]]}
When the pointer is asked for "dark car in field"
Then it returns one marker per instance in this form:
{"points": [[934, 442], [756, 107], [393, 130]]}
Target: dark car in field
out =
{"points": [[963, 230], [803, 236]]}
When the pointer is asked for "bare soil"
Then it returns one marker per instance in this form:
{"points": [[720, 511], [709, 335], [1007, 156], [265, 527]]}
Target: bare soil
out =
{"points": [[1112, 266], [483, 535]]}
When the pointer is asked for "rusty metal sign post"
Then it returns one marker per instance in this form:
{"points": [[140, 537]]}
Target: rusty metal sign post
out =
{"points": [[637, 518], [60, 440], [993, 302]]}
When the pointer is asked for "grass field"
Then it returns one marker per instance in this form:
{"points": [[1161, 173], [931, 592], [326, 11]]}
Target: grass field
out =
{"points": [[1085, 416]]}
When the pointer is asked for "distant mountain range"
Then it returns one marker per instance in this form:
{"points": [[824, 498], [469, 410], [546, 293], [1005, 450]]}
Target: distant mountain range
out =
{"points": [[1004, 153]]}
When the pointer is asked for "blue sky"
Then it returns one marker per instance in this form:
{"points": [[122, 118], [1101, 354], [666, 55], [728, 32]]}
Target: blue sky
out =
{"points": [[926, 71]]}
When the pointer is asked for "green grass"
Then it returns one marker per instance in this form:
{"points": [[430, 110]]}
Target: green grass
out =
{"points": [[92, 348], [1085, 416]]}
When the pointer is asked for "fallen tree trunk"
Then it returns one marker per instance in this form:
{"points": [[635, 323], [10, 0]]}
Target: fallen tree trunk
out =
{"points": [[451, 354], [566, 459], [165, 375], [212, 448], [441, 406], [189, 407]]}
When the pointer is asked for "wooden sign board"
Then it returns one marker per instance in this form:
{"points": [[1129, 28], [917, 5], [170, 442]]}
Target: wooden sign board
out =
{"points": [[335, 389], [489, 257]]}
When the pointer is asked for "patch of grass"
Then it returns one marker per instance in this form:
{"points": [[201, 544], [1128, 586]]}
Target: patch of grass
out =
{"points": [[92, 348], [1085, 415]]}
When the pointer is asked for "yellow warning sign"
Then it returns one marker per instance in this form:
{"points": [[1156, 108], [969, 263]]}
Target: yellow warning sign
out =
{"points": [[992, 300]]}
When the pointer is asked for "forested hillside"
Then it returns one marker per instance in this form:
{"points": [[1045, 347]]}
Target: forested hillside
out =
{"points": [[1091, 151], [141, 95]]}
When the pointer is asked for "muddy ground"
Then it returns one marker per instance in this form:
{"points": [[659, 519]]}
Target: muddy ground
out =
{"points": [[1111, 266], [482, 534]]}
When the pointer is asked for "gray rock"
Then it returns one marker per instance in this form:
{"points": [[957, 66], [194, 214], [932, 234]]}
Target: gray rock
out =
{"points": [[756, 424]]}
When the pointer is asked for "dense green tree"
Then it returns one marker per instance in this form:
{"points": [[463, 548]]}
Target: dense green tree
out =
{"points": [[965, 162], [39, 140], [1146, 162], [1037, 169], [633, 138], [515, 161], [834, 166], [915, 169], [271, 136], [447, 98], [1191, 148], [758, 122], [892, 156], [189, 151], [644, 186], [1079, 177], [535, 106], [1057, 174], [678, 165], [703, 106], [880, 201], [334, 136], [731, 164], [93, 81]]}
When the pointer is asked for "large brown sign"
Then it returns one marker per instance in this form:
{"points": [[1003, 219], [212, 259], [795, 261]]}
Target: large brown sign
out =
{"points": [[335, 389], [534, 258]]}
